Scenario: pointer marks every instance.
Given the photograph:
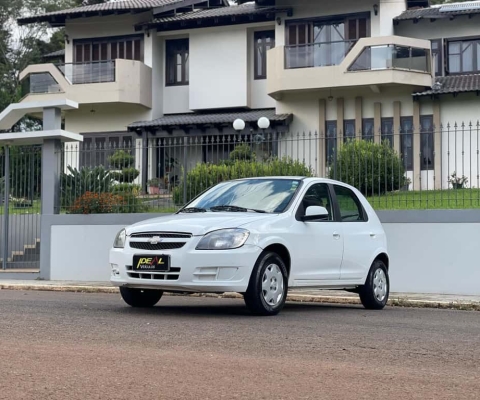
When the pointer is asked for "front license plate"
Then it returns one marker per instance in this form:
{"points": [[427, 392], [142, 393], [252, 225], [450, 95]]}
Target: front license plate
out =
{"points": [[151, 263]]}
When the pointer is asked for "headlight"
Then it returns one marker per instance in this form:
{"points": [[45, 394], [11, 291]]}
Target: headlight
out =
{"points": [[223, 239], [119, 242]]}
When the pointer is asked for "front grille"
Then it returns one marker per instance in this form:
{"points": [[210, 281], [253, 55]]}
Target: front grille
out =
{"points": [[158, 246], [162, 235], [171, 275]]}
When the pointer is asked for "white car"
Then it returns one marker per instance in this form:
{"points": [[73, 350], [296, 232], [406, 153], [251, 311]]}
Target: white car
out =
{"points": [[258, 237]]}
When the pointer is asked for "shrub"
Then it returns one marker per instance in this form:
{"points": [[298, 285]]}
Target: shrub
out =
{"points": [[371, 167], [204, 176], [242, 152], [78, 182], [121, 159], [124, 162], [97, 203], [130, 188]]}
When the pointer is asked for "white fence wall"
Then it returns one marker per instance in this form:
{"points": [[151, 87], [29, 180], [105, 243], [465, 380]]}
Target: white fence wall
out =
{"points": [[426, 257]]}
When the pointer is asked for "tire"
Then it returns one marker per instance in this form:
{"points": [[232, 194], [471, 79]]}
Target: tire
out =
{"points": [[142, 298], [268, 286], [374, 294]]}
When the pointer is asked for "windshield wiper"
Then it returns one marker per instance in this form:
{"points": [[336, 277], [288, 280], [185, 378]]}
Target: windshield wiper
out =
{"points": [[193, 210], [235, 209]]}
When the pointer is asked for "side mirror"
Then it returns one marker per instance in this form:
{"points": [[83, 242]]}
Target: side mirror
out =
{"points": [[313, 213]]}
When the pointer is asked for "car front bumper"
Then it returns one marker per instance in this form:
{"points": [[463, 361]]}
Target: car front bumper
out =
{"points": [[207, 271]]}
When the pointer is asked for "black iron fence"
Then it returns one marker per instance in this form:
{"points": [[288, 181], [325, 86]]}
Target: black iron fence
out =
{"points": [[433, 169]]}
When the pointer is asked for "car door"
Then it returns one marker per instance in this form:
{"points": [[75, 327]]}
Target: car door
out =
{"points": [[318, 245], [359, 240]]}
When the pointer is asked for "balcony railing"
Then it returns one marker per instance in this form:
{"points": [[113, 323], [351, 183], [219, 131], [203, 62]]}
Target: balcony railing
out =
{"points": [[91, 72], [317, 54], [42, 83], [392, 57]]}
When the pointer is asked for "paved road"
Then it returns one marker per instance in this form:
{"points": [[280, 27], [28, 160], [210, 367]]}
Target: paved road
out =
{"points": [[91, 346]]}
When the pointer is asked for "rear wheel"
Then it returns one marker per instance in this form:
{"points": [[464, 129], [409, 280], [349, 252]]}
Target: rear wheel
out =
{"points": [[140, 297], [374, 294], [267, 290]]}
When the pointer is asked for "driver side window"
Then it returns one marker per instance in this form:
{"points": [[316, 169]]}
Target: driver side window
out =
{"points": [[319, 195]]}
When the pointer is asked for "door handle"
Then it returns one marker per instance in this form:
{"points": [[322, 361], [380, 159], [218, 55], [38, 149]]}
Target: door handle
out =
{"points": [[372, 235], [336, 235]]}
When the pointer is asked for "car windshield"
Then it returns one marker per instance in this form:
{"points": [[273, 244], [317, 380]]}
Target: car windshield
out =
{"points": [[255, 195]]}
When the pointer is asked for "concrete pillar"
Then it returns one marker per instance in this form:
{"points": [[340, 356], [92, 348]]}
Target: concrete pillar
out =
{"points": [[437, 142], [51, 163], [396, 125], [322, 135], [417, 179], [377, 122], [340, 119], [358, 117]]}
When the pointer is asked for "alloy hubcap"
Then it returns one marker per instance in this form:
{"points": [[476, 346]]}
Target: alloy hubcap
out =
{"points": [[380, 285], [272, 285]]}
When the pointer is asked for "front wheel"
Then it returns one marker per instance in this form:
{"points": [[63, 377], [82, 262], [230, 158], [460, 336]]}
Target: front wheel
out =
{"points": [[140, 297], [374, 294], [268, 286]]}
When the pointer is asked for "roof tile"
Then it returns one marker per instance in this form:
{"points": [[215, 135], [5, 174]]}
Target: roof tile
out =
{"points": [[214, 118], [453, 84]]}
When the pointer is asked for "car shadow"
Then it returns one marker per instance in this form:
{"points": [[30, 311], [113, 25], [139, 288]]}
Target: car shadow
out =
{"points": [[232, 309]]}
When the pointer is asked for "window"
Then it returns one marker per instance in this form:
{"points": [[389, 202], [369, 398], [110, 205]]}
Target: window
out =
{"points": [[177, 69], [111, 48], [264, 41], [325, 41], [426, 142], [367, 129], [348, 130], [318, 195], [406, 142], [437, 57], [331, 140], [387, 130], [464, 56], [350, 207], [96, 149]]}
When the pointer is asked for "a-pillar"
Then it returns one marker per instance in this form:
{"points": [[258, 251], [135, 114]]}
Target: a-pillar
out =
{"points": [[51, 163]]}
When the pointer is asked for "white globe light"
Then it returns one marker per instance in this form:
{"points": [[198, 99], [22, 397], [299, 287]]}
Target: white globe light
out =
{"points": [[239, 124], [263, 123]]}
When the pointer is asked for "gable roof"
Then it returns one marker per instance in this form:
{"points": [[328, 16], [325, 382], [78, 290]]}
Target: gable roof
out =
{"points": [[442, 11], [58, 18], [453, 84], [244, 13]]}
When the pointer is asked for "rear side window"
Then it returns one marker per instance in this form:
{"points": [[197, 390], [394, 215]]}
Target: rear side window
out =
{"points": [[349, 205]]}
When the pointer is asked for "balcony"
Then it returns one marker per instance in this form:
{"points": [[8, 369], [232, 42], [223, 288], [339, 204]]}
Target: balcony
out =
{"points": [[115, 81], [370, 62]]}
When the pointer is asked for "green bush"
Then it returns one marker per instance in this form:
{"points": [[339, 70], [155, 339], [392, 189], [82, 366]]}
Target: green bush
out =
{"points": [[121, 159], [242, 152], [126, 188], [370, 167], [124, 162], [204, 176], [76, 183]]}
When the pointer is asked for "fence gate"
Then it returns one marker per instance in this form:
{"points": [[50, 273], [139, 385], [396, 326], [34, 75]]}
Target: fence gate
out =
{"points": [[20, 208]]}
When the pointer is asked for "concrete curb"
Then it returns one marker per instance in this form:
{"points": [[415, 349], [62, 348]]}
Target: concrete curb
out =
{"points": [[292, 297]]}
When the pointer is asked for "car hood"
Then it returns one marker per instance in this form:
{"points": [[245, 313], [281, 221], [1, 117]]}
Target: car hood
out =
{"points": [[197, 224]]}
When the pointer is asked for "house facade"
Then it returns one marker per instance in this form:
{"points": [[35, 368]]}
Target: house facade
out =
{"points": [[171, 74]]}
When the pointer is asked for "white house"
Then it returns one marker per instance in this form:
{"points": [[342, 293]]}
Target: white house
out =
{"points": [[170, 73]]}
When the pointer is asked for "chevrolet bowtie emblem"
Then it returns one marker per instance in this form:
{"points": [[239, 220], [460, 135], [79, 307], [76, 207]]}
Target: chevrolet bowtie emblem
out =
{"points": [[155, 240]]}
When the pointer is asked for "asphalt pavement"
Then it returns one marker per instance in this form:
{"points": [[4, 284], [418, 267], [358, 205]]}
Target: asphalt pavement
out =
{"points": [[61, 345]]}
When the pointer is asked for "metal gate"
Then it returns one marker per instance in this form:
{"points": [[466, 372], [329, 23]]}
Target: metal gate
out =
{"points": [[20, 208]]}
